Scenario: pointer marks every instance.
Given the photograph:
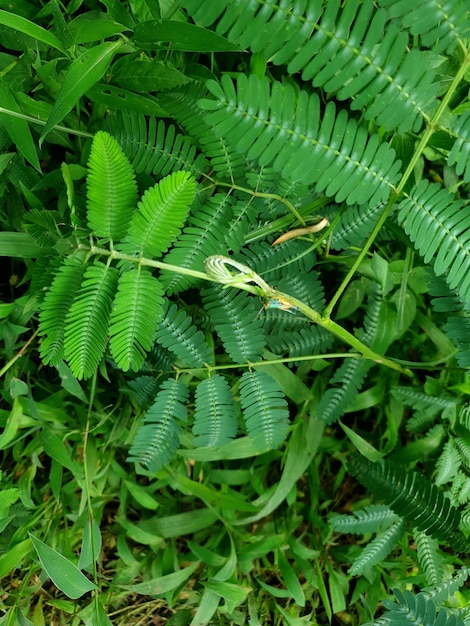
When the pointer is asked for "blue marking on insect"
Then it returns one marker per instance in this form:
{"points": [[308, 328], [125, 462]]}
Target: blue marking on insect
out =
{"points": [[283, 305]]}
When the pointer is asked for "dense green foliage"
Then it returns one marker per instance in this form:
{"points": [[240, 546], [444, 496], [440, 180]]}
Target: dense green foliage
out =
{"points": [[236, 323]]}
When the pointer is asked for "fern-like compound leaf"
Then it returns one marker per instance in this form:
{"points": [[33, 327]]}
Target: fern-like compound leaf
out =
{"points": [[411, 609], [207, 229], [215, 419], [157, 439], [87, 322], [353, 51], [448, 464], [355, 225], [412, 497], [297, 343], [56, 305], [441, 26], [430, 558], [278, 127], [371, 519], [236, 321], [111, 188], [440, 230], [459, 156], [161, 214], [418, 610], [458, 329], [137, 309], [378, 549], [441, 592], [336, 400], [155, 148], [182, 105], [177, 333], [264, 409], [44, 227]]}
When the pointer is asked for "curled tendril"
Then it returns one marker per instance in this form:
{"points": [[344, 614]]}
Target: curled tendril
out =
{"points": [[217, 268]]}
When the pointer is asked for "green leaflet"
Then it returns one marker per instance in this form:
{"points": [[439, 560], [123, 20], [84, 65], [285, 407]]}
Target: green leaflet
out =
{"points": [[413, 497], [158, 438], [86, 324], [215, 418], [278, 127], [58, 300], [111, 187], [439, 228], [177, 333], [137, 309], [264, 409], [161, 213]]}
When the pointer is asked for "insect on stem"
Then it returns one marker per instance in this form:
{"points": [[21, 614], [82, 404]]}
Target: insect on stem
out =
{"points": [[280, 303]]}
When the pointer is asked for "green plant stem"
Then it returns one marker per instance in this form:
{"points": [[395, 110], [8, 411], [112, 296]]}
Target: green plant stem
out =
{"points": [[271, 294], [340, 332], [260, 194], [364, 251], [431, 127], [35, 120]]}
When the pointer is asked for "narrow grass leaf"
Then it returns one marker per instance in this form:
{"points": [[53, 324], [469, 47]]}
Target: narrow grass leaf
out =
{"points": [[141, 495], [163, 584], [83, 73], [20, 246], [233, 594], [153, 35], [26, 27], [290, 579], [17, 128], [91, 544], [11, 559], [180, 524], [299, 457], [64, 574], [362, 446]]}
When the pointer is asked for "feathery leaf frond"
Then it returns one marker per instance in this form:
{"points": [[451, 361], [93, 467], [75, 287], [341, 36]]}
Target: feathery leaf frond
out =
{"points": [[205, 234], [137, 309], [182, 104], [177, 333], [448, 464], [411, 496], [87, 321], [429, 557], [156, 148], [353, 51], [411, 610], [162, 213], [276, 126], [215, 419], [460, 152], [111, 188], [378, 549], [158, 438], [440, 230], [441, 26], [371, 519], [56, 305], [234, 317], [264, 409]]}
